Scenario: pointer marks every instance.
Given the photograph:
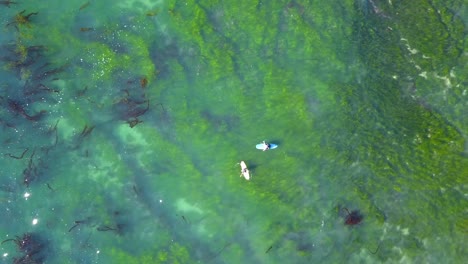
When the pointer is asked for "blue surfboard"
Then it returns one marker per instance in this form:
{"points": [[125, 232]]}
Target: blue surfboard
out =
{"points": [[260, 146]]}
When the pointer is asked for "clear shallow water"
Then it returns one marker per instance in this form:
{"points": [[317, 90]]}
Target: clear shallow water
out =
{"points": [[369, 111]]}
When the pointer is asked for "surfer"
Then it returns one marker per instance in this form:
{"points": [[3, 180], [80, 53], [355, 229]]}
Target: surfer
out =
{"points": [[244, 171], [266, 146]]}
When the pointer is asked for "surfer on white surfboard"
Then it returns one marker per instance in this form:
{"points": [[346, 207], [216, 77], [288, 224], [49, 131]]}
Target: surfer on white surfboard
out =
{"points": [[244, 171]]}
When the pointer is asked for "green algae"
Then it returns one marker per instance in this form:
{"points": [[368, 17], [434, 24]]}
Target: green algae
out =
{"points": [[413, 147], [106, 62], [174, 253], [434, 31], [368, 138]]}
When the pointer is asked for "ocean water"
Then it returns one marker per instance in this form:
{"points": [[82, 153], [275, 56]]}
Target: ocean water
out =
{"points": [[123, 124]]}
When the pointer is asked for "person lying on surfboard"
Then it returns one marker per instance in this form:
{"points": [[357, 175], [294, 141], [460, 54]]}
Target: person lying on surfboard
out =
{"points": [[266, 146], [244, 171]]}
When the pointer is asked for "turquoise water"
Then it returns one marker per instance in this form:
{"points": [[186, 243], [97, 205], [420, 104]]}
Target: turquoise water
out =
{"points": [[123, 125]]}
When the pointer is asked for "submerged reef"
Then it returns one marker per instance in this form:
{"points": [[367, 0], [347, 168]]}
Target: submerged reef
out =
{"points": [[127, 122], [414, 151]]}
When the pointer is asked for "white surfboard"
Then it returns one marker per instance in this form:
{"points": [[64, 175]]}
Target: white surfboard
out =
{"points": [[244, 171]]}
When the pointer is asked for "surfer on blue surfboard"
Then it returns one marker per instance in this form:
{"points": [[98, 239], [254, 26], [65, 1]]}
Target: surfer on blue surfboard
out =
{"points": [[266, 146]]}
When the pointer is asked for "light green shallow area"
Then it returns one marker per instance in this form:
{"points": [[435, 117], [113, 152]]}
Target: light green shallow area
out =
{"points": [[151, 105]]}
